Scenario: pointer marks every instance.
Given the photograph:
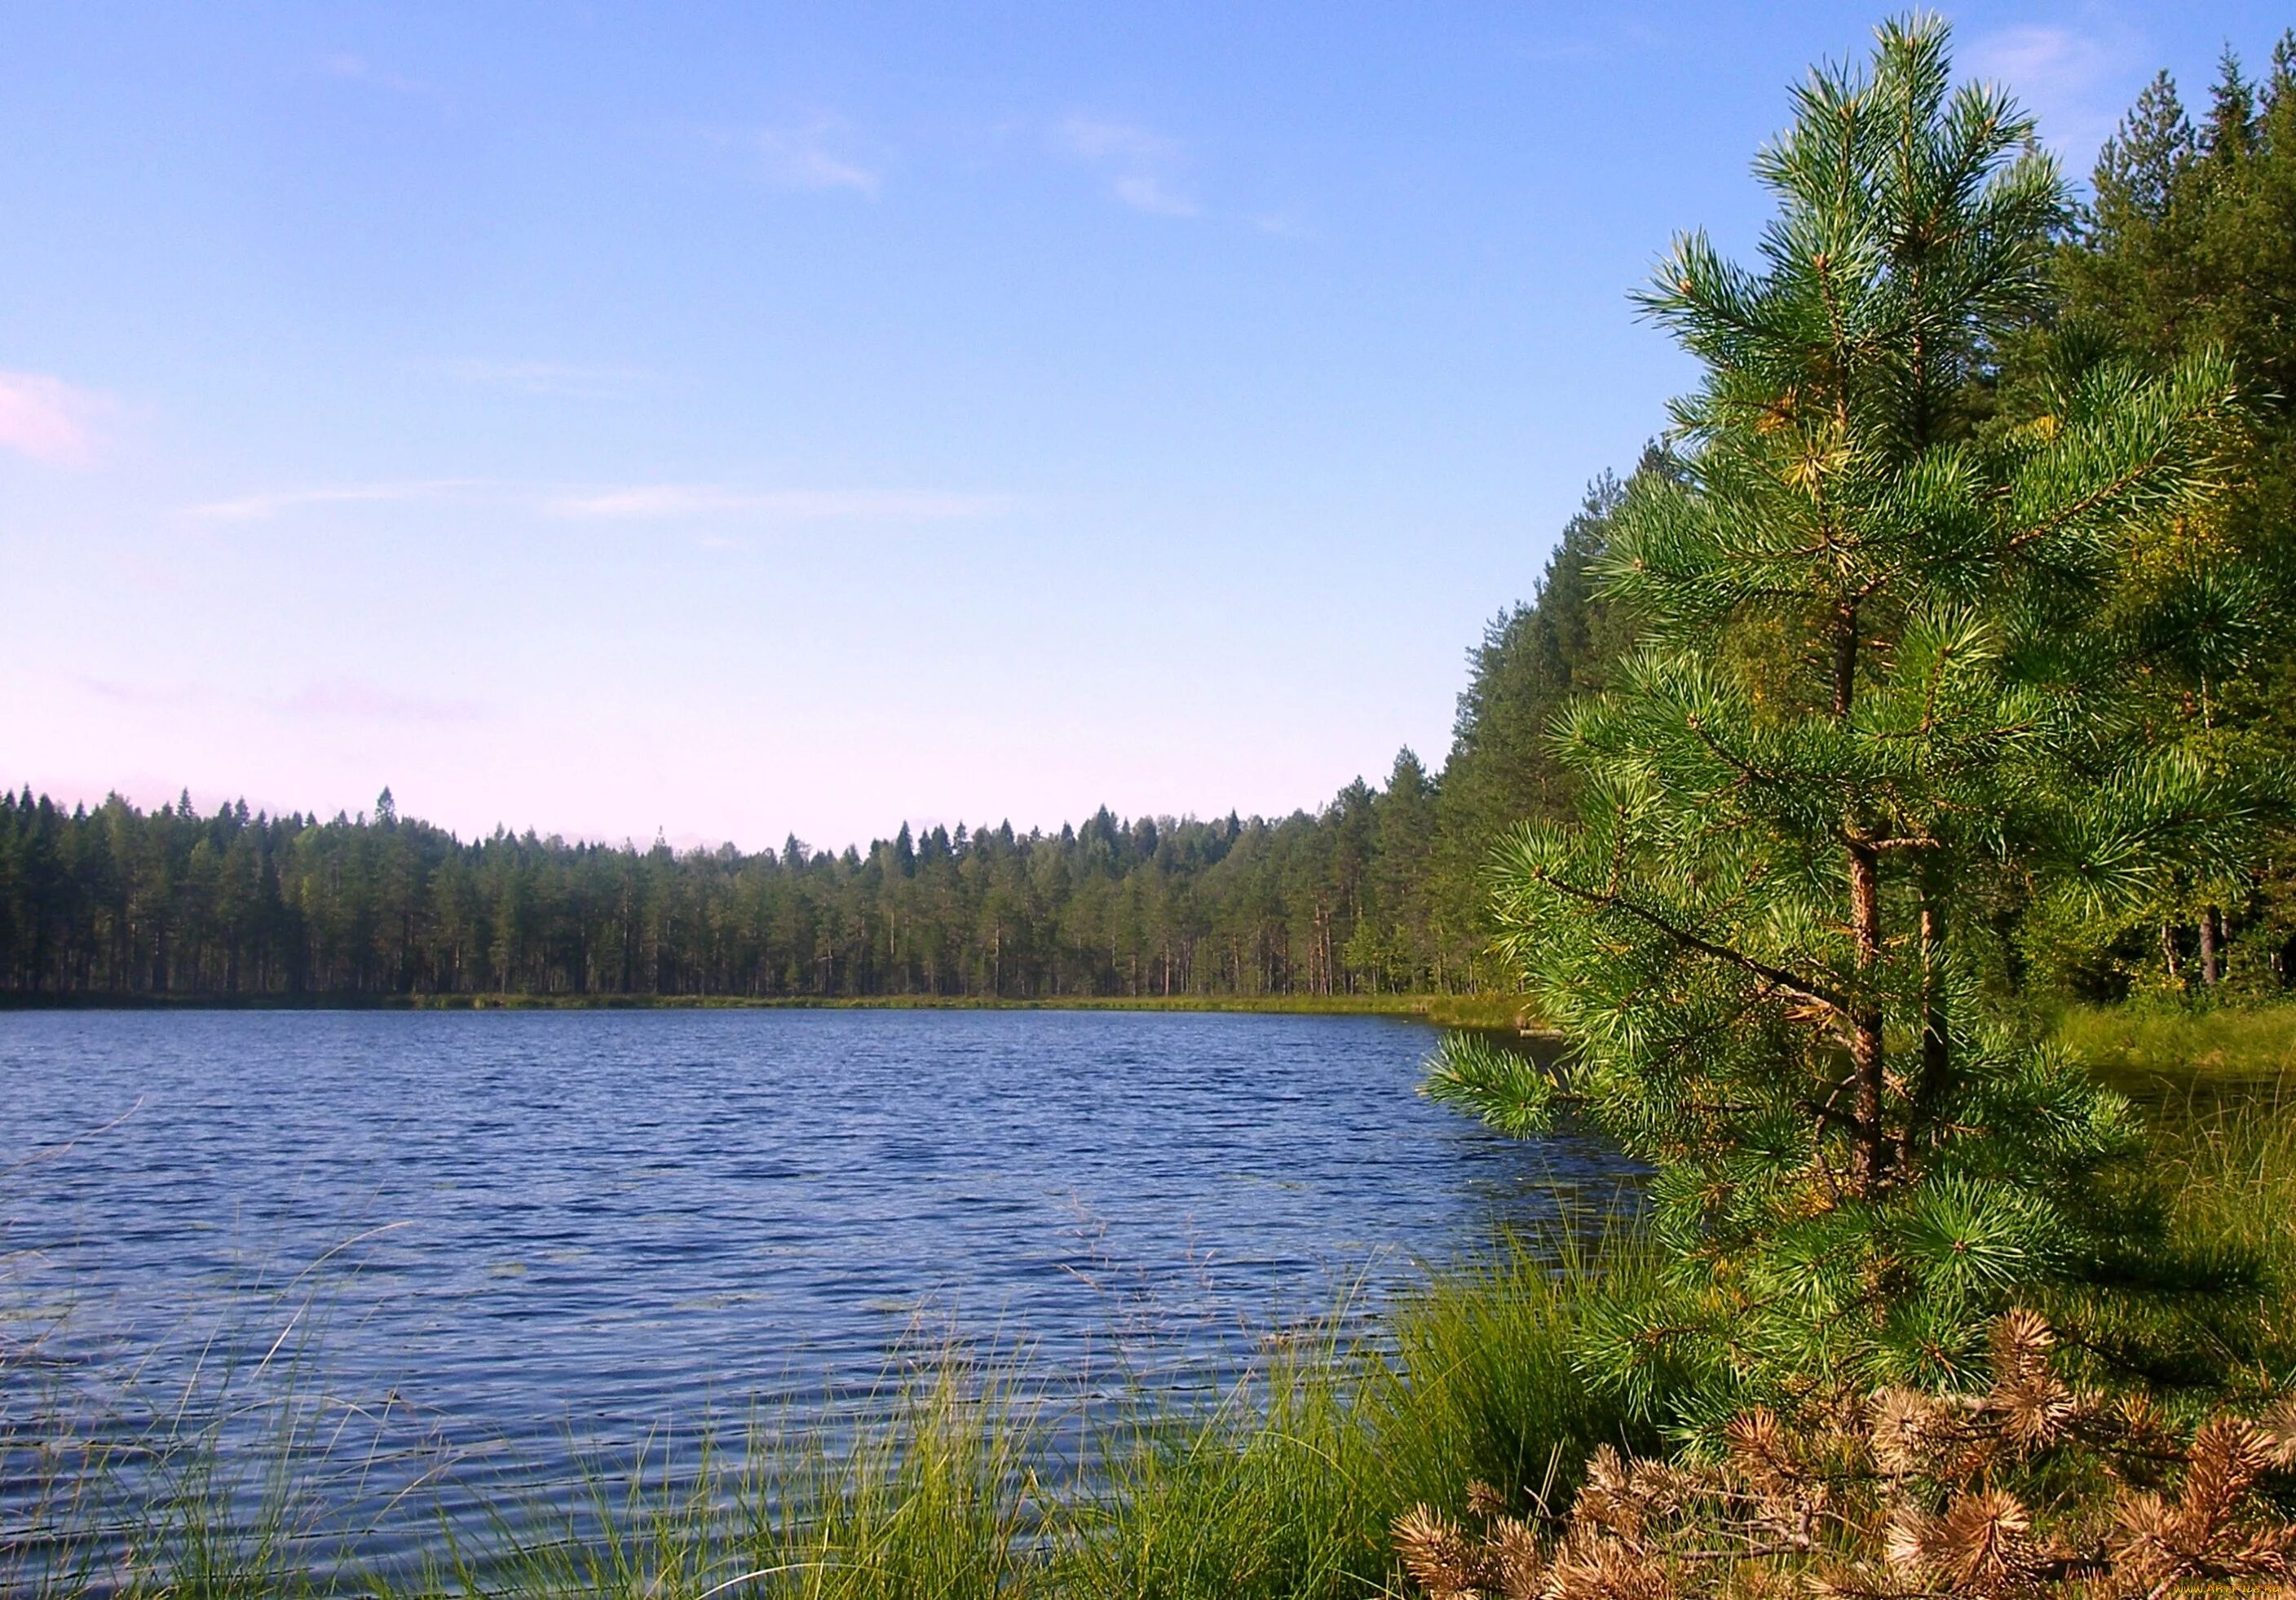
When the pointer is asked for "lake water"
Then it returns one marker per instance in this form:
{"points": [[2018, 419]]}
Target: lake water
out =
{"points": [[525, 1228]]}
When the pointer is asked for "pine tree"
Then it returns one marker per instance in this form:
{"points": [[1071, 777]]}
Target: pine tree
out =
{"points": [[1881, 694], [1533, 659], [2189, 245]]}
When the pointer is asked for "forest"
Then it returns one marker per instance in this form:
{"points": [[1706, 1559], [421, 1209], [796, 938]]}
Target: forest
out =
{"points": [[2186, 243]]}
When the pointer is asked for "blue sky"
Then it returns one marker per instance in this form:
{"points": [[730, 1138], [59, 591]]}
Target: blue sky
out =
{"points": [[747, 419]]}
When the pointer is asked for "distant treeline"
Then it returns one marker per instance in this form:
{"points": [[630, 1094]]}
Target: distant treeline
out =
{"points": [[1377, 892], [1380, 891], [2191, 240]]}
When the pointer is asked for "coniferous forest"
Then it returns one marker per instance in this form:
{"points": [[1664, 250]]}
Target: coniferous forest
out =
{"points": [[2185, 246]]}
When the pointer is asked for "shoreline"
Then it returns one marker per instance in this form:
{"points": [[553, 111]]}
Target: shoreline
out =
{"points": [[1498, 1013]]}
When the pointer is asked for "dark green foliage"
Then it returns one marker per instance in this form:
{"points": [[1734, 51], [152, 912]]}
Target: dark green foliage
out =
{"points": [[118, 902], [1534, 660], [1900, 675], [2190, 241], [2188, 247]]}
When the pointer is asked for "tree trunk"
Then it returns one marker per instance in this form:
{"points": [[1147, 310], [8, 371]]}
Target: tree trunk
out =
{"points": [[1937, 1057], [2211, 946], [1865, 1052], [1867, 1060]]}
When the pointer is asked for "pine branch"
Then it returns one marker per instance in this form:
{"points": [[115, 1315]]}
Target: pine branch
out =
{"points": [[1777, 976]]}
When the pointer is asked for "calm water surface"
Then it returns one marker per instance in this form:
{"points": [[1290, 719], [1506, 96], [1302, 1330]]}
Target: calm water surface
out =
{"points": [[527, 1226]]}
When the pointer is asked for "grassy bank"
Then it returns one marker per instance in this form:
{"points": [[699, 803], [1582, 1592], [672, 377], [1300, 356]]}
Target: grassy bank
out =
{"points": [[974, 1485], [1445, 1010], [2178, 1044], [1492, 1012]]}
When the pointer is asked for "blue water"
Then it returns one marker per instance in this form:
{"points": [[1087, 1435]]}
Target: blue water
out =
{"points": [[527, 1227]]}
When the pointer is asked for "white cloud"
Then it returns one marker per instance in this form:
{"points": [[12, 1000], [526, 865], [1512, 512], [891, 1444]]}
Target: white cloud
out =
{"points": [[1098, 140], [49, 420], [2076, 80], [1145, 191], [670, 500], [259, 507], [165, 697], [358, 69], [2033, 52], [808, 157], [1142, 166], [640, 502]]}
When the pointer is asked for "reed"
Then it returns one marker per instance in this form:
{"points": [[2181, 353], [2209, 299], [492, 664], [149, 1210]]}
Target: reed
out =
{"points": [[962, 1480], [939, 1496]]}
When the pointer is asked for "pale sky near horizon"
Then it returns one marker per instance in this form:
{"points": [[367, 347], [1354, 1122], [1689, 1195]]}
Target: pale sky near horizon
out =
{"points": [[740, 420]]}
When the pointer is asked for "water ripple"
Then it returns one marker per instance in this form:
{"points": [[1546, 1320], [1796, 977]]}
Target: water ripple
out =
{"points": [[538, 1226]]}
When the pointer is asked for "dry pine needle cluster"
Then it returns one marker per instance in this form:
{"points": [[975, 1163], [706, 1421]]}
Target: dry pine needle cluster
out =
{"points": [[2029, 1489]]}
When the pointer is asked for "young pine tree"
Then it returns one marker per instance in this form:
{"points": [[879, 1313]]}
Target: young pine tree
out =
{"points": [[1881, 696]]}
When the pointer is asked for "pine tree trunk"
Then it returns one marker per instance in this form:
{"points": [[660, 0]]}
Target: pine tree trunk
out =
{"points": [[1936, 1058], [1866, 1051], [1866, 1056], [2211, 946]]}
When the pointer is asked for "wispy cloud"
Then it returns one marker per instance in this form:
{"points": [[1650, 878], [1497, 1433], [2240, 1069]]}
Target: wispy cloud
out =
{"points": [[50, 420], [259, 507], [356, 68], [1141, 167], [149, 696], [565, 379], [2074, 79], [815, 155], [2036, 53], [641, 502], [671, 500], [347, 700], [332, 699]]}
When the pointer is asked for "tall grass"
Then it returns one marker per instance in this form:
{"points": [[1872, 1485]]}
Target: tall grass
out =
{"points": [[208, 1458], [2200, 1301], [2218, 1086], [941, 1496], [217, 1502], [2159, 1039], [967, 1481], [1290, 1488], [1481, 1385], [2228, 1166]]}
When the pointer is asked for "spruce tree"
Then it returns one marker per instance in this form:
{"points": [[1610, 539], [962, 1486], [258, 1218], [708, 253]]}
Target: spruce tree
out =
{"points": [[1882, 692]]}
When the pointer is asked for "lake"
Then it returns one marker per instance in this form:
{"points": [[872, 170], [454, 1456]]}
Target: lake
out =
{"points": [[526, 1228]]}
